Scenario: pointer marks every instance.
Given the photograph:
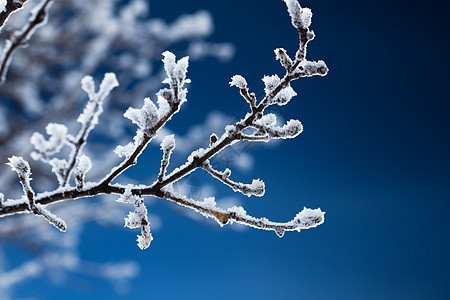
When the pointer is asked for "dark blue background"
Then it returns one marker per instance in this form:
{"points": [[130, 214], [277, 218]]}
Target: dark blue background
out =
{"points": [[374, 156]]}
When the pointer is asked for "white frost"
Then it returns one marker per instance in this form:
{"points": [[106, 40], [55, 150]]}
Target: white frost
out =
{"points": [[168, 143], [271, 82], [145, 117], [20, 166], [3, 5], [309, 218], [238, 81]]}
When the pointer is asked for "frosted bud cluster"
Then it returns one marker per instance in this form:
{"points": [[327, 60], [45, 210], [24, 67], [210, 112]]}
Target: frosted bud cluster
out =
{"points": [[309, 218], [145, 117], [20, 166], [176, 75], [300, 17], [138, 218], [45, 148], [238, 81], [311, 68], [271, 82]]}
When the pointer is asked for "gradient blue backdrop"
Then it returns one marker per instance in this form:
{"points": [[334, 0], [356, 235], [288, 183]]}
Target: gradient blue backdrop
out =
{"points": [[374, 156]]}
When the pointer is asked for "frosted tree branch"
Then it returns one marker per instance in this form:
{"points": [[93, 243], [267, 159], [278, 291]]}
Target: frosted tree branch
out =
{"points": [[149, 119], [256, 188], [20, 38]]}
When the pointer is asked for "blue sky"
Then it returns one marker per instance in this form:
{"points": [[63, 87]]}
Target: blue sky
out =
{"points": [[373, 155]]}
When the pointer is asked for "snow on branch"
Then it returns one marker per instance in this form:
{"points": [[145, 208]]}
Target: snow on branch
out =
{"points": [[306, 219], [59, 137], [256, 188], [138, 218], [20, 38], [22, 168], [167, 146], [254, 126]]}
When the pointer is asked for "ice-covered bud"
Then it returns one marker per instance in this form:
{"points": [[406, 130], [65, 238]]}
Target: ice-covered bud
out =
{"points": [[133, 220], [146, 117], [309, 218], [300, 17], [145, 239], [238, 81], [88, 85], [176, 71], [311, 68], [289, 130], [58, 135], [168, 143], [285, 95], [20, 166], [306, 17], [181, 68], [283, 57], [109, 82], [138, 218], [83, 166], [292, 128], [226, 174], [169, 63], [271, 82]]}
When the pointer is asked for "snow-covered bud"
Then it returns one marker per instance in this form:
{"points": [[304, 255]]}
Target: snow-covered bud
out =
{"points": [[285, 95], [145, 117], [46, 148], [176, 73], [300, 17], [283, 57], [83, 166], [309, 218], [20, 166], [270, 82], [238, 81], [311, 68], [168, 143]]}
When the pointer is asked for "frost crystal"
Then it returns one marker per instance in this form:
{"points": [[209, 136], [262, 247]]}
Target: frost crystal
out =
{"points": [[300, 17], [138, 218], [168, 142], [57, 133], [176, 71], [84, 164], [311, 68], [20, 166], [93, 109], [145, 117], [309, 218], [238, 81], [285, 95], [270, 83]]}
